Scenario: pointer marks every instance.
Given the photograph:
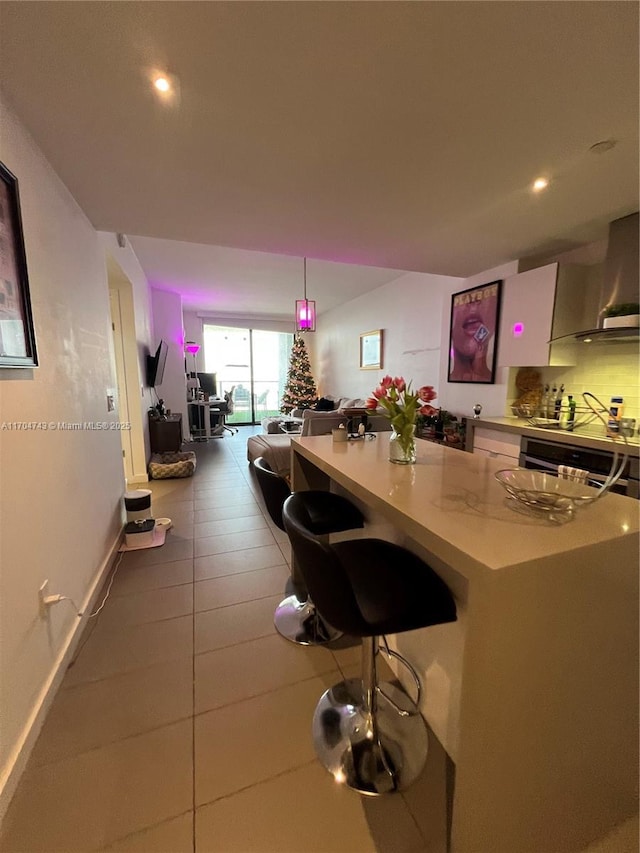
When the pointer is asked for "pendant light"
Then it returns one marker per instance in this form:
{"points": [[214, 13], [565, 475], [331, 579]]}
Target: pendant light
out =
{"points": [[305, 309]]}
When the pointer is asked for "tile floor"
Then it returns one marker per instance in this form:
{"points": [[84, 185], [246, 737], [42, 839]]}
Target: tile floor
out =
{"points": [[184, 722]]}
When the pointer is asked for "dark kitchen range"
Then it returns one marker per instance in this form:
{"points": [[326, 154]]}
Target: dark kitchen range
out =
{"points": [[547, 455]]}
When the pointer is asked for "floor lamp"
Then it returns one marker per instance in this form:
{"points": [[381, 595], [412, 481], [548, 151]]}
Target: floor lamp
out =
{"points": [[193, 383]]}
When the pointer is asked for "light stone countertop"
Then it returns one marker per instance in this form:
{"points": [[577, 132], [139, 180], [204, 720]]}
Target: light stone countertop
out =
{"points": [[590, 436], [533, 691], [452, 505]]}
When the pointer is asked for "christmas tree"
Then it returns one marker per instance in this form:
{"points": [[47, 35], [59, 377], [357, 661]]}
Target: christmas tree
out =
{"points": [[300, 390]]}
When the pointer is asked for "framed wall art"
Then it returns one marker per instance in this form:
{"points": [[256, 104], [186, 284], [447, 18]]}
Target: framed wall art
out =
{"points": [[17, 338], [473, 333], [371, 350]]}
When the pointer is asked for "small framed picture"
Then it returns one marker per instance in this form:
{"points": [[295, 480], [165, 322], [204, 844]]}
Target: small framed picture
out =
{"points": [[371, 350], [473, 332], [17, 338]]}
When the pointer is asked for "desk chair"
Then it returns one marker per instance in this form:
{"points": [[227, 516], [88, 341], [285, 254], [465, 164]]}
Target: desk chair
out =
{"points": [[218, 414]]}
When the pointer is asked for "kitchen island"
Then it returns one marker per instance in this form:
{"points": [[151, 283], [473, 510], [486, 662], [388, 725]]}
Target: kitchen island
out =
{"points": [[533, 692]]}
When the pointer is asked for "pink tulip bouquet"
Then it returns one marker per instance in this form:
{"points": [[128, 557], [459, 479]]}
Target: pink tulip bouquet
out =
{"points": [[402, 406]]}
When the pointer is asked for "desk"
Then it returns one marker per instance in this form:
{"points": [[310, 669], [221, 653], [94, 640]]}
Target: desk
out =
{"points": [[200, 411], [534, 691]]}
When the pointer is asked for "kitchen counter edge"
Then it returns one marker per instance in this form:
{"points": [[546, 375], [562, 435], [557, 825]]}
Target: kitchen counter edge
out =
{"points": [[575, 438]]}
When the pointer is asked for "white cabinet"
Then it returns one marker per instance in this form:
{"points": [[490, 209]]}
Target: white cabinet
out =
{"points": [[544, 304], [527, 317], [509, 461], [497, 444]]}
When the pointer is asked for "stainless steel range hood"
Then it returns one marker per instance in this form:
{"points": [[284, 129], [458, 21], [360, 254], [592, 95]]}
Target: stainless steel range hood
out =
{"points": [[618, 284]]}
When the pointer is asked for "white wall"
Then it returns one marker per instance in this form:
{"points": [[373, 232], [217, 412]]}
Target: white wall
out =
{"points": [[414, 313], [168, 326], [60, 491], [193, 332], [460, 397], [409, 311]]}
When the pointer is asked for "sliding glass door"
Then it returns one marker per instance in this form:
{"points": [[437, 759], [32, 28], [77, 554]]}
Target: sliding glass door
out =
{"points": [[251, 365]]}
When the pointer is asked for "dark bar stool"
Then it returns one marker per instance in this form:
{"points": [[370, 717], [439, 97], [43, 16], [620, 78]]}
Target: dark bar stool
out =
{"points": [[296, 618], [370, 737]]}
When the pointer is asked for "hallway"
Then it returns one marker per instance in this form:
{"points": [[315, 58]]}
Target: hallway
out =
{"points": [[184, 722]]}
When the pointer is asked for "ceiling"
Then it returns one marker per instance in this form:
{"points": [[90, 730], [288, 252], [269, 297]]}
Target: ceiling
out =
{"points": [[387, 135], [255, 283]]}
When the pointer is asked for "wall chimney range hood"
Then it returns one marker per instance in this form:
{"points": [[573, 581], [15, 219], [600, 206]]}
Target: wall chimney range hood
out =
{"points": [[619, 284]]}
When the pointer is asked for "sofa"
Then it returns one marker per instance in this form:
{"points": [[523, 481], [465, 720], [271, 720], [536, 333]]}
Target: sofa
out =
{"points": [[275, 447], [271, 425], [339, 405]]}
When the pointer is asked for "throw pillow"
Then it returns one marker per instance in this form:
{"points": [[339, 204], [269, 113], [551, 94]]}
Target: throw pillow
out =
{"points": [[324, 405]]}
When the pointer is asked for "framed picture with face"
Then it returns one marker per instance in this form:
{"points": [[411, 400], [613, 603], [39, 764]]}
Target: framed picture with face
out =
{"points": [[473, 333]]}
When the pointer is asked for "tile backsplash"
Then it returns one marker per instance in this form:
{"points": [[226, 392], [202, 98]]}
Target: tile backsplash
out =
{"points": [[603, 369]]}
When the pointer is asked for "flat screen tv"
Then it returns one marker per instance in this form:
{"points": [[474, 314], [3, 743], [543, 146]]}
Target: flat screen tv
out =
{"points": [[155, 365]]}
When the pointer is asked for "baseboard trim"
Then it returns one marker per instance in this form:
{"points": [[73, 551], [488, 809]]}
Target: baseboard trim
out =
{"points": [[19, 755], [137, 479]]}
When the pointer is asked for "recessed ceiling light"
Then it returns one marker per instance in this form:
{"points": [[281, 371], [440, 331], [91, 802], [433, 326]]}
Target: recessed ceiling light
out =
{"points": [[540, 184], [162, 84]]}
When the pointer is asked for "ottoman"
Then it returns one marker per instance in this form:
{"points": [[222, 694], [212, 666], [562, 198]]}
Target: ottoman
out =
{"points": [[276, 449]]}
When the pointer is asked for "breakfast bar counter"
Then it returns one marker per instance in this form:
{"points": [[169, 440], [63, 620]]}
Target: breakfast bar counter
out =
{"points": [[533, 692]]}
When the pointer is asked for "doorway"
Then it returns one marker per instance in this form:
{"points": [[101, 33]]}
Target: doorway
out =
{"points": [[121, 379], [132, 398], [251, 365]]}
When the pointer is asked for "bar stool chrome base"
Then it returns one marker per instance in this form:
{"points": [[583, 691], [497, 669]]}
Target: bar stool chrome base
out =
{"points": [[371, 738], [300, 622], [375, 752]]}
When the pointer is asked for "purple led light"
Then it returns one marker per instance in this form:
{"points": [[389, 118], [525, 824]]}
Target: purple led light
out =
{"points": [[518, 329]]}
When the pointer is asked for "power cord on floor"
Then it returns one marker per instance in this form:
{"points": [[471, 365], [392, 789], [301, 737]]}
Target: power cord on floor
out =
{"points": [[106, 595], [97, 611]]}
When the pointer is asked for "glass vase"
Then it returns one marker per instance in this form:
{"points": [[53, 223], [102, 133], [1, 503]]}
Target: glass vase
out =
{"points": [[402, 445]]}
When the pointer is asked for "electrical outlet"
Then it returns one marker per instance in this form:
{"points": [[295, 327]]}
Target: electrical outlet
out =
{"points": [[43, 592], [111, 404]]}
